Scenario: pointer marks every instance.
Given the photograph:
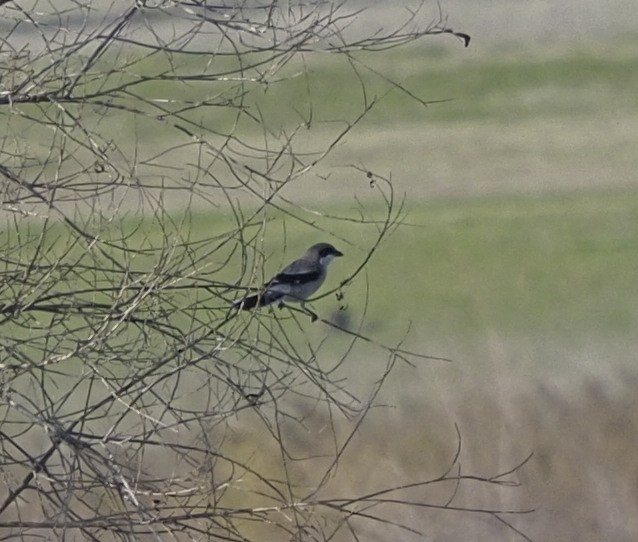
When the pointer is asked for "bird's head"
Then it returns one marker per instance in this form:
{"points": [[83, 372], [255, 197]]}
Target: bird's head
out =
{"points": [[324, 252]]}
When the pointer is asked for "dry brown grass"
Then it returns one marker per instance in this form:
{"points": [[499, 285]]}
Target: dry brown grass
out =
{"points": [[581, 480]]}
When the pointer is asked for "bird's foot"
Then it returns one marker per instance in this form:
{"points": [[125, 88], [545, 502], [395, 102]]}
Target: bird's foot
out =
{"points": [[313, 316]]}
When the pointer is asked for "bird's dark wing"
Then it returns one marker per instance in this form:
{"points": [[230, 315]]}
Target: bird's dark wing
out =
{"points": [[298, 272], [257, 300]]}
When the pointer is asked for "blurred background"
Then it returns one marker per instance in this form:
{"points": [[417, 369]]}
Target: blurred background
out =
{"points": [[520, 260], [522, 252]]}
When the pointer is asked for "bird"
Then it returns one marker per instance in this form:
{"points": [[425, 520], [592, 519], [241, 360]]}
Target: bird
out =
{"points": [[296, 282]]}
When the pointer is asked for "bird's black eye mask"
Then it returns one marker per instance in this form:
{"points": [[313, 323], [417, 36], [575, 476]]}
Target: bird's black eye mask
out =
{"points": [[328, 251]]}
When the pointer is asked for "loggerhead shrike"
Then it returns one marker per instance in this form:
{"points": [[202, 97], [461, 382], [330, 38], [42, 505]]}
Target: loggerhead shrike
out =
{"points": [[295, 282]]}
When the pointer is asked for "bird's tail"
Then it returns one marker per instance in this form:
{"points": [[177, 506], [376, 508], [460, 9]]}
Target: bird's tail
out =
{"points": [[257, 300]]}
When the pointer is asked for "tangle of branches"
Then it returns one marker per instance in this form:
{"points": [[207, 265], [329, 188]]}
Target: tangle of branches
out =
{"points": [[146, 162]]}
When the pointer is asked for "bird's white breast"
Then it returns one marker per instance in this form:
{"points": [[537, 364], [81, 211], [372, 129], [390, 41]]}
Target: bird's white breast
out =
{"points": [[325, 260]]}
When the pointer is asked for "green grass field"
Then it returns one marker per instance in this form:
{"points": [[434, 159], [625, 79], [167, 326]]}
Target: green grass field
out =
{"points": [[522, 190], [519, 121], [548, 265], [552, 265]]}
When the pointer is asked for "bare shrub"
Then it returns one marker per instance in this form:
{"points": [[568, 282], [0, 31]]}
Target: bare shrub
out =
{"points": [[144, 165]]}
